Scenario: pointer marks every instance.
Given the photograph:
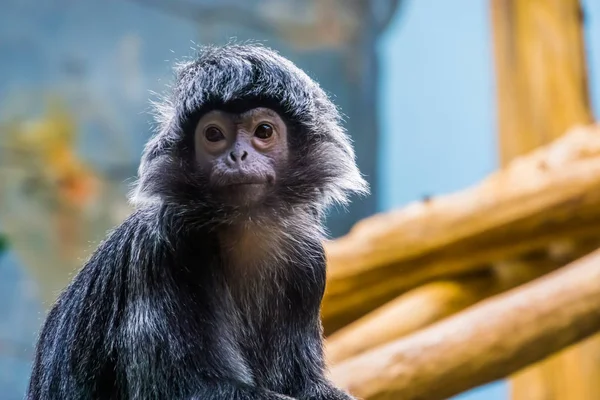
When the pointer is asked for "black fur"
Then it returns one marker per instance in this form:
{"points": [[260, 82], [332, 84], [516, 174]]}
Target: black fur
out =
{"points": [[154, 313]]}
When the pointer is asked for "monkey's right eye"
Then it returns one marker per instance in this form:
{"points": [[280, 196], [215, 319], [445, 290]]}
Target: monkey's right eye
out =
{"points": [[213, 134]]}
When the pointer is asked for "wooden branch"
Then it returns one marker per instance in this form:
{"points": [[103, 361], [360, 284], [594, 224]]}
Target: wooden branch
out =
{"points": [[408, 313], [484, 343], [427, 304], [431, 302], [548, 195]]}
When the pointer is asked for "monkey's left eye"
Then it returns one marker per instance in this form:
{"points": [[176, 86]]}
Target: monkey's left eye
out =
{"points": [[213, 134], [263, 131]]}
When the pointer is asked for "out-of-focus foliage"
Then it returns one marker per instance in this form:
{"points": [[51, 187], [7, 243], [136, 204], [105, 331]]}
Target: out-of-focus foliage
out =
{"points": [[45, 149], [3, 243], [53, 202]]}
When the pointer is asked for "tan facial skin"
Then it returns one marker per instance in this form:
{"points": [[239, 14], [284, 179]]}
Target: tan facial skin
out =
{"points": [[242, 152]]}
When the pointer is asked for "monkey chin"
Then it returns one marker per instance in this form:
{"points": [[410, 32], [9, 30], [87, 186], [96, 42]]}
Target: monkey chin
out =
{"points": [[245, 195]]}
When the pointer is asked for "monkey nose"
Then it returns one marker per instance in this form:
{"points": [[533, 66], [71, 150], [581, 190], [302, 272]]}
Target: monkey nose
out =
{"points": [[237, 156]]}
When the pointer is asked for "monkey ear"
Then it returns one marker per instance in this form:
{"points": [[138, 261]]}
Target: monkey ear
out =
{"points": [[342, 178], [350, 183], [345, 179]]}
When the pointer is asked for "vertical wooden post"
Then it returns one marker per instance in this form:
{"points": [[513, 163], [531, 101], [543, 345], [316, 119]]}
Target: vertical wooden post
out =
{"points": [[540, 65], [542, 91]]}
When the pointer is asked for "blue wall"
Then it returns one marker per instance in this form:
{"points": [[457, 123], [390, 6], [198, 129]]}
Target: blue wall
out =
{"points": [[438, 105]]}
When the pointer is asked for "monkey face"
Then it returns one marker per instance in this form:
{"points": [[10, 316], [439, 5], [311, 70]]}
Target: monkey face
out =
{"points": [[241, 153], [223, 137]]}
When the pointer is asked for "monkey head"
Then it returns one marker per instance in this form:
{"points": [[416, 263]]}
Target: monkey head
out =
{"points": [[244, 128]]}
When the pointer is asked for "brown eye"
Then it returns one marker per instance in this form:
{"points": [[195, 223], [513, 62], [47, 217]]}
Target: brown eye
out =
{"points": [[213, 134], [263, 131]]}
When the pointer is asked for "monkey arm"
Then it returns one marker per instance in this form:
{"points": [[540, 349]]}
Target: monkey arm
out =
{"points": [[318, 387], [74, 358], [308, 344], [327, 392], [225, 389]]}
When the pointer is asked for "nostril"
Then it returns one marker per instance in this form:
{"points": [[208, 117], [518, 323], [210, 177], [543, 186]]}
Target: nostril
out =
{"points": [[232, 156], [244, 155]]}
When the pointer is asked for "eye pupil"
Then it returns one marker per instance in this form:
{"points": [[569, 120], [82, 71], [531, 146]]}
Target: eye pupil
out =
{"points": [[213, 134], [264, 131]]}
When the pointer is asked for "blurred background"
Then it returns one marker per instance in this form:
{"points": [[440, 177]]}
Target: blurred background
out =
{"points": [[416, 80]]}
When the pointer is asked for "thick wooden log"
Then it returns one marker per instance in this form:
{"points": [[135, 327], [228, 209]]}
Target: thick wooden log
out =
{"points": [[409, 312], [434, 301], [486, 342], [550, 194]]}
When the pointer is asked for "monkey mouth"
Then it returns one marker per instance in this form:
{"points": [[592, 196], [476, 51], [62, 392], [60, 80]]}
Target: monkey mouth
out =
{"points": [[241, 180], [246, 183], [249, 182]]}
